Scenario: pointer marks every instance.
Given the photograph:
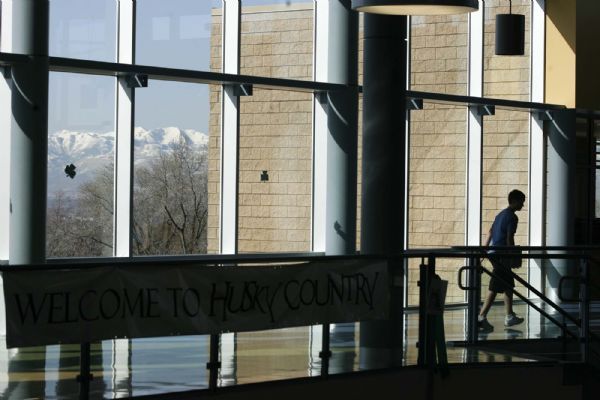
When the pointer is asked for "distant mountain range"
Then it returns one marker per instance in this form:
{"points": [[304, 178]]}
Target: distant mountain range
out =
{"points": [[90, 151]]}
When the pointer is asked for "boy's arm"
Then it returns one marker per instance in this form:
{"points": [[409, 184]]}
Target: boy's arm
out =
{"points": [[489, 238]]}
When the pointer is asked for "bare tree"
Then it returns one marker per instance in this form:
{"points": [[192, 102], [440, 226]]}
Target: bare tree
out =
{"points": [[169, 214], [173, 192]]}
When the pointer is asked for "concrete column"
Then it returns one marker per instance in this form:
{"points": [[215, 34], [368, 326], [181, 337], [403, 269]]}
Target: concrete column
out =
{"points": [[560, 215], [342, 138], [29, 133], [383, 172]]}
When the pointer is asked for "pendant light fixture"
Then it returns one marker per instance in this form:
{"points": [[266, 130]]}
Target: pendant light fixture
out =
{"points": [[510, 33], [415, 7]]}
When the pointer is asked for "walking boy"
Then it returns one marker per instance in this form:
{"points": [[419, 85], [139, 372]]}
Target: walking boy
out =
{"points": [[502, 233]]}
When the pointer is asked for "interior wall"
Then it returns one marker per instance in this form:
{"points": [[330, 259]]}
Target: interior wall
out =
{"points": [[560, 52]]}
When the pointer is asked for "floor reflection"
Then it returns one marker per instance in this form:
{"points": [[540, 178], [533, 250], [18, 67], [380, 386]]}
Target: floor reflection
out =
{"points": [[124, 368]]}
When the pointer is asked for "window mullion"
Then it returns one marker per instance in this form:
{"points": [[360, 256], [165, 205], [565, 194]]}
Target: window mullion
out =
{"points": [[475, 129], [123, 197], [230, 129]]}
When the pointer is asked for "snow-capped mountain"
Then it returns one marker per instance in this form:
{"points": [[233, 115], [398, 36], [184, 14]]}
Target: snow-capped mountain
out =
{"points": [[90, 151]]}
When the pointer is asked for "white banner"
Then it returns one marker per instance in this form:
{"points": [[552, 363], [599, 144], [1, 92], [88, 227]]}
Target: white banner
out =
{"points": [[96, 303]]}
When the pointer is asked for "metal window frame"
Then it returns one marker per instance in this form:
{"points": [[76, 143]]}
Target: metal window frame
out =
{"points": [[474, 167], [124, 121], [320, 131]]}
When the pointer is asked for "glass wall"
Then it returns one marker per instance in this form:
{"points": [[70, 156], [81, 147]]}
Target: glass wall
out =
{"points": [[81, 144], [179, 34], [83, 29], [171, 148]]}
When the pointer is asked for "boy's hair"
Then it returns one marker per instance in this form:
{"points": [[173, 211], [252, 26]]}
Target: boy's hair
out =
{"points": [[515, 195]]}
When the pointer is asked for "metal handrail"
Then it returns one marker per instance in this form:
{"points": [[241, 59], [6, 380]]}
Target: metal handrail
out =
{"points": [[473, 253], [539, 309]]}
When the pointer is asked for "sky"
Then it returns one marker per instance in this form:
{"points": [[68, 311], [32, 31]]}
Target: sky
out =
{"points": [[173, 33]]}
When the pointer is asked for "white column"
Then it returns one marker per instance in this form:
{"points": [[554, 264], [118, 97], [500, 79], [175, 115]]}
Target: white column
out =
{"points": [[536, 140], [475, 129], [5, 134], [123, 182], [230, 129], [321, 50]]}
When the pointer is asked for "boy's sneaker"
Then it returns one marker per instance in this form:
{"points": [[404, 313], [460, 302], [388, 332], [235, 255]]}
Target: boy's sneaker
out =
{"points": [[484, 326], [512, 319]]}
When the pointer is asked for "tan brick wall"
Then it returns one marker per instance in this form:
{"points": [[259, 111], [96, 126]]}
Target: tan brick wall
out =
{"points": [[438, 145], [505, 77], [214, 138], [277, 41], [439, 50], [437, 188], [275, 134]]}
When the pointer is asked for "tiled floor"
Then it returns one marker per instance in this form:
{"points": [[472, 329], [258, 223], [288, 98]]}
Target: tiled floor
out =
{"points": [[123, 368]]}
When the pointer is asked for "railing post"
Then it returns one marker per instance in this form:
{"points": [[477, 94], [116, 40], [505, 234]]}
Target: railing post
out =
{"points": [[325, 353], [84, 376], [473, 298], [425, 344], [213, 364], [584, 311]]}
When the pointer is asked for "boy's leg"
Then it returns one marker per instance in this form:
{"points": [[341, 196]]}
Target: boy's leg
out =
{"points": [[508, 302], [487, 304]]}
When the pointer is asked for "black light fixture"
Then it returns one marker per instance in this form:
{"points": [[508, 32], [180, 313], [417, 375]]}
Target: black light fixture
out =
{"points": [[510, 33], [415, 7]]}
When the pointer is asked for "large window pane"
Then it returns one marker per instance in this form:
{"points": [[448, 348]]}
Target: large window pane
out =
{"points": [[83, 29], [275, 157], [438, 53], [277, 38], [505, 167], [179, 34], [505, 77], [170, 207], [81, 134], [437, 189]]}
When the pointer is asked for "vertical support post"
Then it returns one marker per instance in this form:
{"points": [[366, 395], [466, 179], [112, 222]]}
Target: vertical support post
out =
{"points": [[29, 141], [475, 129], [5, 128], [325, 353], [473, 298], [384, 173], [584, 310], [426, 351], [85, 375], [560, 197], [229, 129], [214, 364], [124, 151], [335, 137]]}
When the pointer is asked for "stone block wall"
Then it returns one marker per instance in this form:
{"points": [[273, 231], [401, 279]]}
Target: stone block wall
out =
{"points": [[437, 149], [275, 134], [214, 135]]}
